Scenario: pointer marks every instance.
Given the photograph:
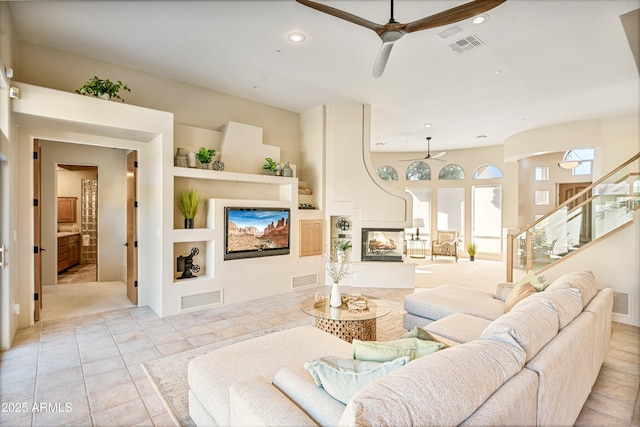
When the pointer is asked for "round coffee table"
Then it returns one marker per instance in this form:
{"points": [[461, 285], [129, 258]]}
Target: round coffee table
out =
{"points": [[344, 323]]}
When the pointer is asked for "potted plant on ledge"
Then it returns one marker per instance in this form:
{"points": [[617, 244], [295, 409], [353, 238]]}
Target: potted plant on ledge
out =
{"points": [[270, 165], [471, 250], [104, 89], [189, 203], [205, 156]]}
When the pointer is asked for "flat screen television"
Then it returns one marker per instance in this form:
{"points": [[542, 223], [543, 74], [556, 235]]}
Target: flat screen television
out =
{"points": [[256, 232]]}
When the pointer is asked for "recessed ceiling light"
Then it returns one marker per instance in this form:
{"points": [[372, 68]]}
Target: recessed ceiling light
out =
{"points": [[296, 37], [480, 19], [427, 125]]}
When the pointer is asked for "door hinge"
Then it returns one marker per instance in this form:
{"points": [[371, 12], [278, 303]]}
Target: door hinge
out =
{"points": [[135, 164], [135, 283], [36, 297], [35, 155], [35, 250], [135, 204], [135, 244], [35, 202]]}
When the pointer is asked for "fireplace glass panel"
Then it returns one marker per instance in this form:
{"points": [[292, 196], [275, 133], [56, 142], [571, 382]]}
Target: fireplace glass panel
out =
{"points": [[382, 244]]}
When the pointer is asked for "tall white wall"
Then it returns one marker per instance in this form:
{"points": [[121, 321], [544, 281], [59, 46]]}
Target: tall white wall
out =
{"points": [[9, 185], [190, 105]]}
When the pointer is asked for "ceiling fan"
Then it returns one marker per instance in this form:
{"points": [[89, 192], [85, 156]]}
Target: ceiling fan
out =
{"points": [[429, 156], [393, 30]]}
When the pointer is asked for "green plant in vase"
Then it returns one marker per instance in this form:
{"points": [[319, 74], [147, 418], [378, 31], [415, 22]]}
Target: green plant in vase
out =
{"points": [[105, 89], [188, 203], [342, 245], [270, 165], [471, 250], [205, 155]]}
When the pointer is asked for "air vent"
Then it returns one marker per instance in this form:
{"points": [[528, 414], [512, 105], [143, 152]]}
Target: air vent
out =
{"points": [[465, 44], [304, 281], [449, 32], [200, 300], [620, 303]]}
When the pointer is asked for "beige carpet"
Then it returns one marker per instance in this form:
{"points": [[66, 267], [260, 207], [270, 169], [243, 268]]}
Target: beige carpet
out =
{"points": [[478, 274], [169, 374], [78, 299]]}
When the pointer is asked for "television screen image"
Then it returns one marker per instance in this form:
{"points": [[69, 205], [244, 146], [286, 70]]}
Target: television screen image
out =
{"points": [[256, 232]]}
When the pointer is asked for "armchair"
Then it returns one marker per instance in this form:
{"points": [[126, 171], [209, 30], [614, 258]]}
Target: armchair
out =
{"points": [[445, 243]]}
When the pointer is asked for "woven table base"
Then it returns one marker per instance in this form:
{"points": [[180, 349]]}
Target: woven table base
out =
{"points": [[348, 330]]}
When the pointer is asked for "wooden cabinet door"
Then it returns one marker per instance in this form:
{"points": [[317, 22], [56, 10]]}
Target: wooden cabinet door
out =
{"points": [[310, 237], [67, 209], [73, 251]]}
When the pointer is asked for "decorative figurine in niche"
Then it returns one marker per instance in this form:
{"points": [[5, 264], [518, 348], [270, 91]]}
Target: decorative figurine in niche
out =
{"points": [[186, 266], [343, 225]]}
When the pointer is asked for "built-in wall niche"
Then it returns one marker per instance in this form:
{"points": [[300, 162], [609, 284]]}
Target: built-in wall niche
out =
{"points": [[190, 256], [230, 185]]}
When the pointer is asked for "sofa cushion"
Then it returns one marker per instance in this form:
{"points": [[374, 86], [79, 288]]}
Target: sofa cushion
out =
{"points": [[459, 327], [443, 388], [383, 351], [584, 281], [436, 303], [524, 290], [255, 402], [531, 279], [503, 290], [529, 326], [211, 374], [299, 386], [342, 378], [566, 302]]}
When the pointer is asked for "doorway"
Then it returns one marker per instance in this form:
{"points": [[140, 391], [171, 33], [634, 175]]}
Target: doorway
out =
{"points": [[77, 223], [89, 182]]}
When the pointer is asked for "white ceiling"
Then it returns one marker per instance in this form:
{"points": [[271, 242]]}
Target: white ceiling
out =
{"points": [[542, 62]]}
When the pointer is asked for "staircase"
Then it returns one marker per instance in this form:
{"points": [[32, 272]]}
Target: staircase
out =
{"points": [[600, 210]]}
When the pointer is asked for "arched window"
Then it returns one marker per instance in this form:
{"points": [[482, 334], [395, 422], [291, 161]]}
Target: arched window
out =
{"points": [[487, 172], [418, 171], [451, 171], [387, 173]]}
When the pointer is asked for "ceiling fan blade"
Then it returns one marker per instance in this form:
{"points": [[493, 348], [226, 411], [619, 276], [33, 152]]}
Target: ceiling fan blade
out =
{"points": [[452, 15], [382, 58], [412, 160], [440, 154], [342, 15]]}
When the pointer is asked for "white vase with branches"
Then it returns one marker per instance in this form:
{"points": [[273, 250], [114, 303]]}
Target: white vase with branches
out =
{"points": [[338, 268]]}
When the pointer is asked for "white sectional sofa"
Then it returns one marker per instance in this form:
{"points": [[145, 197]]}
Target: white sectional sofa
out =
{"points": [[534, 365]]}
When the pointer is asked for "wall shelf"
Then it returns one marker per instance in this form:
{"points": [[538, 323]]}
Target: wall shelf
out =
{"points": [[196, 173], [193, 235]]}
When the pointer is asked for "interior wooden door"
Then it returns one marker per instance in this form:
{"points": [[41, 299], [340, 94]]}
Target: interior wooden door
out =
{"points": [[567, 191], [37, 232], [132, 232]]}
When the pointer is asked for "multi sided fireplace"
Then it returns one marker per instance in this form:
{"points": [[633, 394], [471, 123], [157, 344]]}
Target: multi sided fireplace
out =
{"points": [[382, 244]]}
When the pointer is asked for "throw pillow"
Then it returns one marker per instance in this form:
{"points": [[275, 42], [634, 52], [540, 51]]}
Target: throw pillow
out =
{"points": [[525, 290], [420, 333], [530, 278], [383, 351], [342, 378]]}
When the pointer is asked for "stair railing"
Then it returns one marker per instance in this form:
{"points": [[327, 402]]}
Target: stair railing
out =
{"points": [[604, 206]]}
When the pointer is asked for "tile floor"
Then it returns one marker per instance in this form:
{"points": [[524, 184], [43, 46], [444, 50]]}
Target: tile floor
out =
{"points": [[81, 273], [86, 371]]}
